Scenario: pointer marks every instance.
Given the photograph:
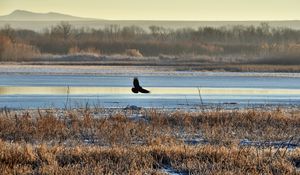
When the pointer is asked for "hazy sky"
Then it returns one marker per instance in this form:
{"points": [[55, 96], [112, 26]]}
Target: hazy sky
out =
{"points": [[163, 9]]}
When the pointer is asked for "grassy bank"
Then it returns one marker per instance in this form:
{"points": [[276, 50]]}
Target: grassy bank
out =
{"points": [[86, 141]]}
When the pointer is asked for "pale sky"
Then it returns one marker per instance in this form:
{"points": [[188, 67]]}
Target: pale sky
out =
{"points": [[163, 9]]}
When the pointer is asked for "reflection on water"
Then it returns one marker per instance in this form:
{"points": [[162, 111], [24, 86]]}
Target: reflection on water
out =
{"points": [[44, 91], [26, 90], [166, 97], [151, 81], [142, 100]]}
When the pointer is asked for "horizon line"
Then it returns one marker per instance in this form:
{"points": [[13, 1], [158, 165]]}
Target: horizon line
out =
{"points": [[109, 19]]}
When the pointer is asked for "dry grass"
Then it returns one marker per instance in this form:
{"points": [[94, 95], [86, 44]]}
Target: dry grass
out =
{"points": [[241, 68], [90, 141], [133, 53], [15, 51], [217, 127], [88, 51], [59, 159]]}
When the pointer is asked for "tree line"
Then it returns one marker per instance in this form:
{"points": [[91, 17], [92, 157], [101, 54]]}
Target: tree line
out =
{"points": [[155, 40]]}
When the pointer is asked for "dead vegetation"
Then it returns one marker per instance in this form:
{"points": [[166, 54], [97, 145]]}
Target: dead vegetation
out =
{"points": [[239, 44], [241, 68], [91, 51], [217, 127], [16, 51], [90, 141], [60, 159], [133, 53]]}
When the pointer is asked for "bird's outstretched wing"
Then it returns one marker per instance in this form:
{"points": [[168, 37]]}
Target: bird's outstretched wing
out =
{"points": [[136, 83], [142, 90]]}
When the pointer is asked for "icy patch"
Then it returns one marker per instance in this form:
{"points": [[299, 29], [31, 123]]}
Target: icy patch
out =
{"points": [[132, 107], [195, 141], [138, 117], [169, 170], [275, 144]]}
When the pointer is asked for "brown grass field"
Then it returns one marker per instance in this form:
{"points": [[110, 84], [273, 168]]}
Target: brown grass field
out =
{"points": [[98, 141]]}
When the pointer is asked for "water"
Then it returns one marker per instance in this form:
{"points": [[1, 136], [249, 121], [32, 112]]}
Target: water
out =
{"points": [[151, 81], [44, 91]]}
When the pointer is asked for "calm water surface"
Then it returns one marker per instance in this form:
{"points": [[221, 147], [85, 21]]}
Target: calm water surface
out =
{"points": [[44, 91]]}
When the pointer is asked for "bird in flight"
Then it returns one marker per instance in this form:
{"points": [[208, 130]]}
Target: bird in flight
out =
{"points": [[137, 88]]}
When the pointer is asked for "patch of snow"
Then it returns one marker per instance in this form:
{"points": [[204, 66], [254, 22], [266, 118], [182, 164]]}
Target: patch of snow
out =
{"points": [[275, 144], [195, 141], [132, 107], [170, 171]]}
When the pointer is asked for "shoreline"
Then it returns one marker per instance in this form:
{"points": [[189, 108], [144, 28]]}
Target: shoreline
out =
{"points": [[107, 70]]}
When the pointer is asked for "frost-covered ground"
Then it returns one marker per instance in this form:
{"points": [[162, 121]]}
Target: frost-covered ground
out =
{"points": [[139, 115]]}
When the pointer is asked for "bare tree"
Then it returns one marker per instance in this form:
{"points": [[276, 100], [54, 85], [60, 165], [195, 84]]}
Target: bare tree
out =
{"points": [[9, 32], [64, 29]]}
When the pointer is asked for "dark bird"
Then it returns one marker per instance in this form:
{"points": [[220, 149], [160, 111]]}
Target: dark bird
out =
{"points": [[137, 88]]}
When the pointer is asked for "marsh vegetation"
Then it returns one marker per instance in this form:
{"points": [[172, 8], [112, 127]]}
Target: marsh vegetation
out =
{"points": [[102, 141], [232, 44]]}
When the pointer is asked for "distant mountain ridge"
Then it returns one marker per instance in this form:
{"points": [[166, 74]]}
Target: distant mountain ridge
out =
{"points": [[23, 15], [21, 19]]}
